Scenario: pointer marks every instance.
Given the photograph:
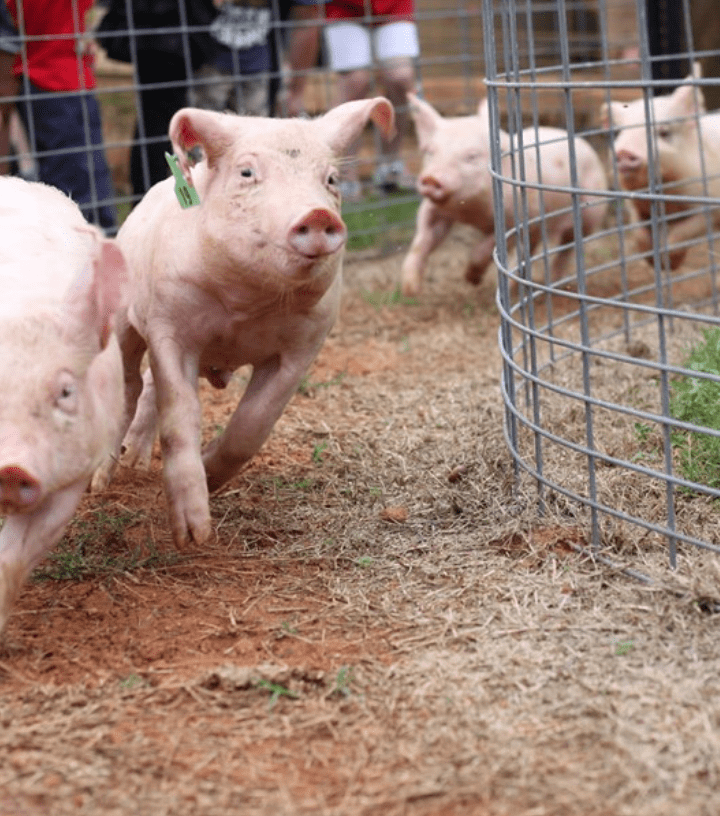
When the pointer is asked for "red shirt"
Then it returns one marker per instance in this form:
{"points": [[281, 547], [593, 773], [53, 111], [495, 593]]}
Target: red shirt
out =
{"points": [[55, 64], [344, 9]]}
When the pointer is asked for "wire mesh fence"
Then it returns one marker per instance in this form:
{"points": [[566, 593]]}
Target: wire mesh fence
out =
{"points": [[611, 376], [87, 89]]}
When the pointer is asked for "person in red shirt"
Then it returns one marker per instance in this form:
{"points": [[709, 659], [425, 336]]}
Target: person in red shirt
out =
{"points": [[361, 34], [59, 111]]}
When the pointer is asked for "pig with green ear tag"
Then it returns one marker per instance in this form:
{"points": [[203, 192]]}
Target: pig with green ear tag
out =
{"points": [[684, 161], [62, 407], [247, 271]]}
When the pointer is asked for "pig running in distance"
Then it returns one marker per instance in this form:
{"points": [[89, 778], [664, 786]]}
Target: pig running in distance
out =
{"points": [[62, 407], [250, 276], [456, 186], [686, 147]]}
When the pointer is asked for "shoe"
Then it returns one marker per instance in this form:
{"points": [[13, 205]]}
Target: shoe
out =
{"points": [[393, 176]]}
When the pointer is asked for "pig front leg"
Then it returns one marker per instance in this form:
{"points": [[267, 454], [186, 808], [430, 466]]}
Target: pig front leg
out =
{"points": [[270, 388], [180, 420], [25, 538], [431, 229]]}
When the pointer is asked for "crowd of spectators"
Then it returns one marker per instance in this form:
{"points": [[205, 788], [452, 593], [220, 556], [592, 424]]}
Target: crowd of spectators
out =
{"points": [[248, 56]]}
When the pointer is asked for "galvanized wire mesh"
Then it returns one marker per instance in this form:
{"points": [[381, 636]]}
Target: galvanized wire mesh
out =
{"points": [[594, 357]]}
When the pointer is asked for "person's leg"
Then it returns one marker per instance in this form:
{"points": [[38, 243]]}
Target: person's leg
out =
{"points": [[350, 55], [157, 106], [396, 47], [251, 96], [66, 132]]}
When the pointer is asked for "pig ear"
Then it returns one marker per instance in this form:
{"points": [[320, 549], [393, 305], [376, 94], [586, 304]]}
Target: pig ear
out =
{"points": [[426, 118], [190, 127], [343, 124], [483, 113], [688, 99], [99, 291], [611, 115]]}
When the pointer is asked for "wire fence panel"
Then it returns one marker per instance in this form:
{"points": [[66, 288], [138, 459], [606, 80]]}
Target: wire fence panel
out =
{"points": [[610, 331], [87, 89]]}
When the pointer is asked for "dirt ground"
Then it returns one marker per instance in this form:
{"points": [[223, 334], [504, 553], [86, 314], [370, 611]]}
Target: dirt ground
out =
{"points": [[382, 625]]}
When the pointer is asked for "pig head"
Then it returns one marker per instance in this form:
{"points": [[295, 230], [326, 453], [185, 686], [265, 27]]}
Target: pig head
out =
{"points": [[456, 187], [679, 150], [252, 275], [62, 407]]}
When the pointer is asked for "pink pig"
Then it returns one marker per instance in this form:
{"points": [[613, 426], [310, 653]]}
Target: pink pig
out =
{"points": [[62, 406], [252, 275], [686, 150], [456, 186]]}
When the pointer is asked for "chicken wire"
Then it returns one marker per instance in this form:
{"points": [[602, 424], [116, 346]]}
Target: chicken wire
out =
{"points": [[592, 359]]}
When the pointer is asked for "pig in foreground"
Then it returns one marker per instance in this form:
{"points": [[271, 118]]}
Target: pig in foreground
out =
{"points": [[252, 275], [686, 150], [456, 186], [62, 406]]}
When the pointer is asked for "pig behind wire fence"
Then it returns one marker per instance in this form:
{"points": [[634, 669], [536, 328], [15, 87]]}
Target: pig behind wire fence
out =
{"points": [[610, 369]]}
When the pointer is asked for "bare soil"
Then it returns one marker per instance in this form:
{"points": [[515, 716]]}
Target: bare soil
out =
{"points": [[381, 625]]}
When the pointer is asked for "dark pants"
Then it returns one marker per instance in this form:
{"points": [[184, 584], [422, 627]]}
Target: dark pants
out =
{"points": [[157, 106], [66, 133]]}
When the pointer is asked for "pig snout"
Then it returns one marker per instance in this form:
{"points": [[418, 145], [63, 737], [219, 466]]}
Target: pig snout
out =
{"points": [[317, 233], [19, 490], [430, 186], [628, 162]]}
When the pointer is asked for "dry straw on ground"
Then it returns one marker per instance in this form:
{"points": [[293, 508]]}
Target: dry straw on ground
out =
{"points": [[383, 625]]}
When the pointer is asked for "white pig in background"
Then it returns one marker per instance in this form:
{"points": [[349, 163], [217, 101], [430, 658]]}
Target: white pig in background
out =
{"points": [[686, 148], [62, 405], [456, 186], [250, 275]]}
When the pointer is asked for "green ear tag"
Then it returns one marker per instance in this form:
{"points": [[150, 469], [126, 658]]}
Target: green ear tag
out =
{"points": [[186, 195]]}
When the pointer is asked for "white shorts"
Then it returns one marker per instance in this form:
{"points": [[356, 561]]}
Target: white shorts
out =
{"points": [[353, 45]]}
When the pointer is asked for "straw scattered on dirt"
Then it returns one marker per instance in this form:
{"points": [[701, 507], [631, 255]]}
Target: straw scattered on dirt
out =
{"points": [[382, 625]]}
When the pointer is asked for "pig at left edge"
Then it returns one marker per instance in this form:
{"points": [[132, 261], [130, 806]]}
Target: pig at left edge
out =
{"points": [[63, 402]]}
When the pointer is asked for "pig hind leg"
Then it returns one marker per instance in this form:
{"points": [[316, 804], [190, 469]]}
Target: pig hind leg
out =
{"points": [[480, 259], [132, 347], [139, 439]]}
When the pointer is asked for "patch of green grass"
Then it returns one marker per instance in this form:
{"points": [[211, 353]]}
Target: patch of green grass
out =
{"points": [[697, 400], [317, 454], [394, 297], [623, 647], [307, 386], [342, 682], [378, 219], [95, 545], [276, 691]]}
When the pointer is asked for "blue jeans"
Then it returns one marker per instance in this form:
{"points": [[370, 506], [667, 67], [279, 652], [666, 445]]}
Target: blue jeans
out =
{"points": [[65, 131]]}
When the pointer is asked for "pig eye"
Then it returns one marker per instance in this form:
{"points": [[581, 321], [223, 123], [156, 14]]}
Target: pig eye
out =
{"points": [[66, 393], [664, 132], [247, 172], [333, 179]]}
